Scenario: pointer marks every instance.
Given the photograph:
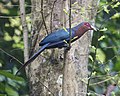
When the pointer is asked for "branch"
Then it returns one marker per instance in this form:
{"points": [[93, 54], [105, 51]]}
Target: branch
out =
{"points": [[51, 18], [70, 35], [47, 88], [43, 16], [11, 56], [101, 81], [65, 66], [25, 29]]}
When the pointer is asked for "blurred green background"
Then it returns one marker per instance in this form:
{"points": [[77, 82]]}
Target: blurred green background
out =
{"points": [[106, 43]]}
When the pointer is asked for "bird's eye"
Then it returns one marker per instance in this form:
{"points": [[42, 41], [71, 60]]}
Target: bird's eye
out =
{"points": [[87, 24]]}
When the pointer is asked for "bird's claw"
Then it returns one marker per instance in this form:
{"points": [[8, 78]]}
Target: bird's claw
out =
{"points": [[68, 47]]}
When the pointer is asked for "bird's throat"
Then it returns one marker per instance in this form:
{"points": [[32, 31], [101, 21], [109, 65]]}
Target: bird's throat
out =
{"points": [[80, 31]]}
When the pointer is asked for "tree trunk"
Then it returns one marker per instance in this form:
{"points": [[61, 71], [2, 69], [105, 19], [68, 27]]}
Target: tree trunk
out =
{"points": [[46, 72]]}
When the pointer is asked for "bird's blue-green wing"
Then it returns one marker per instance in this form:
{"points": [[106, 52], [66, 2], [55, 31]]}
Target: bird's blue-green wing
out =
{"points": [[56, 37]]}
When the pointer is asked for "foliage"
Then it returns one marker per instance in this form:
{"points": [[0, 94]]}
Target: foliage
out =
{"points": [[105, 64], [104, 56], [11, 48]]}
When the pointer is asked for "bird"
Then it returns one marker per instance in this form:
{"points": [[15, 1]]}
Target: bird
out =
{"points": [[60, 39]]}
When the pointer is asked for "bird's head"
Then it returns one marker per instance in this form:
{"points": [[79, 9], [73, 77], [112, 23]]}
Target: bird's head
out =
{"points": [[88, 26], [82, 28]]}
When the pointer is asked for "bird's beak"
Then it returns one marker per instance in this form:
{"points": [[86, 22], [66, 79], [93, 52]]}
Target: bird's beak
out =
{"points": [[94, 28]]}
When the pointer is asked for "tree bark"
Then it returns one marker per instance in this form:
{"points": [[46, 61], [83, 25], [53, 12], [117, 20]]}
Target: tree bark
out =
{"points": [[75, 69], [46, 72], [25, 29]]}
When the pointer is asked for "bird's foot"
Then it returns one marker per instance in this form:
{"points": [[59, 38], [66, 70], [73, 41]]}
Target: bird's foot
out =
{"points": [[68, 48]]}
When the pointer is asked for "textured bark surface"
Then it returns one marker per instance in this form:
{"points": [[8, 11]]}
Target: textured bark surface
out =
{"points": [[25, 29], [75, 69], [47, 69]]}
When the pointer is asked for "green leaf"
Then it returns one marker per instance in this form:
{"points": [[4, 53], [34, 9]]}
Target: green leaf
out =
{"points": [[10, 91], [64, 10], [100, 55], [7, 37], [116, 5], [74, 3], [104, 29], [93, 47], [117, 15], [11, 76], [16, 39], [15, 22], [106, 10], [101, 38], [18, 32], [91, 58], [3, 95], [18, 45], [5, 11], [83, 10], [117, 66], [2, 87]]}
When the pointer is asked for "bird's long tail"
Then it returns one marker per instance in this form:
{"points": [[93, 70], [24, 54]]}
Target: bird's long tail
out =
{"points": [[33, 57]]}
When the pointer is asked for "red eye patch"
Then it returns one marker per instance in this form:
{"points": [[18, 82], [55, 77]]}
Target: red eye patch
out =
{"points": [[87, 24]]}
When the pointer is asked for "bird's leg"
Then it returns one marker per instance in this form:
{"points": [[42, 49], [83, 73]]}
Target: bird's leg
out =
{"points": [[67, 47]]}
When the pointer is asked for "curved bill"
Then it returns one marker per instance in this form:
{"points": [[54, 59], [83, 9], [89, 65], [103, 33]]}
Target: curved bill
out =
{"points": [[94, 28]]}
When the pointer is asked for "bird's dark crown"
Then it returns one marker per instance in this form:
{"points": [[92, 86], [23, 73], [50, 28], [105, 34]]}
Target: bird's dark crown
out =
{"points": [[86, 24]]}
